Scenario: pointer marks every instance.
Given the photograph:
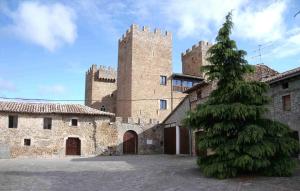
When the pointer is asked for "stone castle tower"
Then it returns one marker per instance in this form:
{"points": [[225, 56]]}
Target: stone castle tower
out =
{"points": [[194, 58], [144, 58], [100, 88], [144, 85]]}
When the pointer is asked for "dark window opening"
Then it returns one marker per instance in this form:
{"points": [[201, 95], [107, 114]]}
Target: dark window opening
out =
{"points": [[102, 108], [12, 121], [163, 104], [285, 85], [47, 123], [163, 80], [286, 103], [74, 122], [27, 142]]}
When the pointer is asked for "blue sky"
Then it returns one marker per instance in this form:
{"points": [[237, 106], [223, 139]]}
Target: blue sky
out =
{"points": [[46, 46]]}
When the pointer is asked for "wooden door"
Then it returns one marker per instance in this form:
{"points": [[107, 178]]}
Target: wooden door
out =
{"points": [[130, 143], [73, 146], [184, 141], [170, 140]]}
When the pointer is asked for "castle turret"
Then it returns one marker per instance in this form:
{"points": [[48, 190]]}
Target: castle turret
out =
{"points": [[144, 73], [194, 58], [100, 88]]}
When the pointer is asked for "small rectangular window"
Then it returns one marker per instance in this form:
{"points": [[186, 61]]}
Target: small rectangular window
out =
{"points": [[163, 104], [286, 103], [47, 123], [12, 121], [163, 80], [285, 85], [74, 122], [27, 142]]}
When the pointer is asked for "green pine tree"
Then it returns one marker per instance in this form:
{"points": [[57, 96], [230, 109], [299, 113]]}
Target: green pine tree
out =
{"points": [[242, 140]]}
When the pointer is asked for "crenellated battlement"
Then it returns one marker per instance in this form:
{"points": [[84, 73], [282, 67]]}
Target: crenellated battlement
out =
{"points": [[136, 120], [102, 72], [145, 29], [196, 46]]}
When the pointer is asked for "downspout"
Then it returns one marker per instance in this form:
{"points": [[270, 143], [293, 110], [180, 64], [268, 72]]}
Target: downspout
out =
{"points": [[190, 129]]}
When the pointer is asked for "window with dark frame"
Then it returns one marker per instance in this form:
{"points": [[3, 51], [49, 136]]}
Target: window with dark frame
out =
{"points": [[74, 122], [12, 121], [27, 142], [47, 123], [285, 85], [163, 104], [163, 80], [102, 108], [286, 103]]}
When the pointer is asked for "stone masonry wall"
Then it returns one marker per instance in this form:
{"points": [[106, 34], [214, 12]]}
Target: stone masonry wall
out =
{"points": [[194, 58], [93, 132], [144, 56], [292, 117], [100, 88], [150, 134]]}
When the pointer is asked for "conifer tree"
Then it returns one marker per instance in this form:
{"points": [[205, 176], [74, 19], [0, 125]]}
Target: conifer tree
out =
{"points": [[243, 141]]}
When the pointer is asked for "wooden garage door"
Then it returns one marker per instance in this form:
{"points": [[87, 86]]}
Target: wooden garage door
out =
{"points": [[170, 140], [73, 146], [130, 143], [184, 141]]}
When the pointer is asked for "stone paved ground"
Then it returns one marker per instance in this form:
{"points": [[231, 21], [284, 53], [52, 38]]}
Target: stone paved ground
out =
{"points": [[126, 173]]}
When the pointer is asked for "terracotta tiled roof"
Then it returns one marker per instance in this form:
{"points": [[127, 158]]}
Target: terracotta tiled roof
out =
{"points": [[284, 75], [49, 108], [261, 72]]}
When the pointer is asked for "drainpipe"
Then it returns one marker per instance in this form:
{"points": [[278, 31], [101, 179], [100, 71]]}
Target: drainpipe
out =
{"points": [[190, 131]]}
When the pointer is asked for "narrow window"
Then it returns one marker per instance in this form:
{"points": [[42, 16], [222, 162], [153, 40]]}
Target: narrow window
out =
{"points": [[163, 80], [74, 122], [285, 85], [163, 104], [286, 103], [12, 121], [102, 108], [47, 123], [27, 142]]}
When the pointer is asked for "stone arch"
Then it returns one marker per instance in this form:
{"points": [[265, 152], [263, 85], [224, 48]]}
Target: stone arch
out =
{"points": [[130, 142]]}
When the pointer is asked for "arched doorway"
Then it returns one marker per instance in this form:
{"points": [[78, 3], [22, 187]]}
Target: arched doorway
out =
{"points": [[130, 143], [73, 146]]}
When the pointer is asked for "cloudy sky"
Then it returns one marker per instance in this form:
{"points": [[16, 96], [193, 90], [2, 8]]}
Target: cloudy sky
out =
{"points": [[46, 46]]}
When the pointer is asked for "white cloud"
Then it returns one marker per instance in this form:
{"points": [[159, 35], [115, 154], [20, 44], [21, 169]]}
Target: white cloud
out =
{"points": [[199, 17], [47, 25], [261, 21], [289, 45], [265, 23], [51, 89], [7, 86]]}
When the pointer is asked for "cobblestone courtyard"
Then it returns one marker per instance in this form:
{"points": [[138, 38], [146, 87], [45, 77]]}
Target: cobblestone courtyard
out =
{"points": [[124, 173]]}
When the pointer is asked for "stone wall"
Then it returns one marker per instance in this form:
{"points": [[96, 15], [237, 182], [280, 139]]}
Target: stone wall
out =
{"points": [[150, 134], [93, 132], [100, 88], [98, 135], [292, 117], [194, 58], [144, 56]]}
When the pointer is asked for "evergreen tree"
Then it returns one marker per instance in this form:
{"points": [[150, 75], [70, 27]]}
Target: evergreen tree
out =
{"points": [[242, 140]]}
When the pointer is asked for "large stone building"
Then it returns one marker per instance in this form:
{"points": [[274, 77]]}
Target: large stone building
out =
{"points": [[144, 85], [284, 107], [59, 130]]}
